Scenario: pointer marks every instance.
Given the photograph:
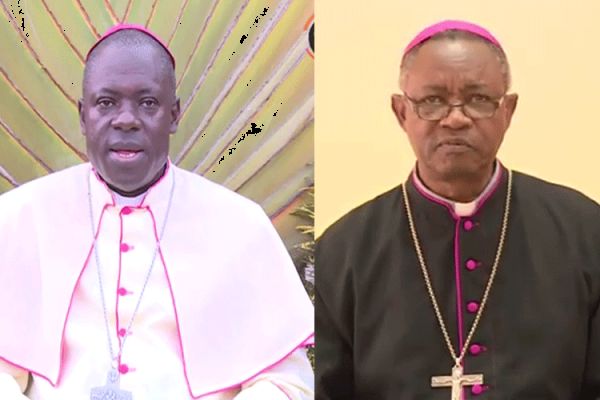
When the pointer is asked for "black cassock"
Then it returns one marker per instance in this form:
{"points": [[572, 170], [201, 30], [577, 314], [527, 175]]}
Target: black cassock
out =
{"points": [[377, 336]]}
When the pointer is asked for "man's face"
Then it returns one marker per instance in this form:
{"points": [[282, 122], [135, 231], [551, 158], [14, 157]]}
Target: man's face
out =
{"points": [[127, 113], [454, 71]]}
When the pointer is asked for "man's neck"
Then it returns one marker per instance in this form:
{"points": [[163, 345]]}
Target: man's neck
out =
{"points": [[141, 190], [463, 189]]}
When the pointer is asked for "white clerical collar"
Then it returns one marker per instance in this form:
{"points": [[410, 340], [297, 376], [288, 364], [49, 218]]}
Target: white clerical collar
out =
{"points": [[461, 209], [123, 201], [156, 197]]}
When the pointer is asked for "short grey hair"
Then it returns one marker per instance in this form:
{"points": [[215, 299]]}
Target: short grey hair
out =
{"points": [[130, 38], [455, 34]]}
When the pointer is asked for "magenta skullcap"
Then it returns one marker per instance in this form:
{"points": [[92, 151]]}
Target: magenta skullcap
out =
{"points": [[448, 25], [135, 27]]}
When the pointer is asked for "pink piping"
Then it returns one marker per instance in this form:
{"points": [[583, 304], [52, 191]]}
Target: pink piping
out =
{"points": [[118, 320], [480, 203], [86, 263], [492, 190], [433, 199], [187, 380], [112, 195], [165, 174], [162, 259], [28, 370], [478, 207], [459, 296], [147, 192], [62, 340]]}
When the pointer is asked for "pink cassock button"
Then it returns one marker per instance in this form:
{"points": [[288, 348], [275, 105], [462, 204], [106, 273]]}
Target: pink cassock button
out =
{"points": [[477, 389], [471, 264], [126, 210], [123, 368], [122, 291], [475, 349], [125, 247], [472, 306], [468, 225], [122, 332]]}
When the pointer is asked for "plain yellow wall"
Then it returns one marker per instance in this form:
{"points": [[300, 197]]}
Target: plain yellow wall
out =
{"points": [[554, 50]]}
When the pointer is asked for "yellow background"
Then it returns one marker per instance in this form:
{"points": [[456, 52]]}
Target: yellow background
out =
{"points": [[554, 50]]}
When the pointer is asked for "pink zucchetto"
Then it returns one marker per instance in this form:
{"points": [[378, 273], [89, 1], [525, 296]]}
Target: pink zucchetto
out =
{"points": [[448, 25], [135, 27]]}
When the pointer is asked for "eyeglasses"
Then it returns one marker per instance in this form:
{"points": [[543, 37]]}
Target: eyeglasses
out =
{"points": [[435, 108]]}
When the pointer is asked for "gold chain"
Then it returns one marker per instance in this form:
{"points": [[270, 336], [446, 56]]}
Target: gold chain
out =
{"points": [[438, 314]]}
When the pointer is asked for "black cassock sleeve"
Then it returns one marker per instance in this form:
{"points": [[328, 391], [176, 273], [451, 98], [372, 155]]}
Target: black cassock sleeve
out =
{"points": [[591, 377], [334, 321]]}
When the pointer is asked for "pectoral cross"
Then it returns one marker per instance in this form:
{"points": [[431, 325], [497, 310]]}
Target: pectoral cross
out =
{"points": [[456, 381], [110, 391]]}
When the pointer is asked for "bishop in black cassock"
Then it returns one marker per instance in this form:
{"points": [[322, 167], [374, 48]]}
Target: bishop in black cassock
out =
{"points": [[538, 336]]}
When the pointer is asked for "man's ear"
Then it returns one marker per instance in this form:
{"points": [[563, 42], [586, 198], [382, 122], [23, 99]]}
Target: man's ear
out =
{"points": [[175, 115], [81, 116], [399, 108], [510, 105]]}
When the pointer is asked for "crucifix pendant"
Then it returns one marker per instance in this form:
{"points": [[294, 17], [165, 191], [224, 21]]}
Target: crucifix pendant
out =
{"points": [[456, 381], [110, 391]]}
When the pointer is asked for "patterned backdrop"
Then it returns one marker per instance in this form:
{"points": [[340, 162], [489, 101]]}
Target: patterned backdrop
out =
{"points": [[244, 76]]}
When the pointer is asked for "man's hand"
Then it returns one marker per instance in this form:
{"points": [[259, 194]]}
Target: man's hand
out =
{"points": [[10, 389]]}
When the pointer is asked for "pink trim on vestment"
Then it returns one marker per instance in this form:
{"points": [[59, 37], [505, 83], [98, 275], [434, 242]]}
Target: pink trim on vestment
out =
{"points": [[112, 195], [85, 264], [164, 175], [458, 221], [99, 178], [62, 340], [28, 370], [118, 297], [492, 190], [187, 381], [433, 199], [206, 196], [496, 179], [162, 259], [448, 25], [459, 296]]}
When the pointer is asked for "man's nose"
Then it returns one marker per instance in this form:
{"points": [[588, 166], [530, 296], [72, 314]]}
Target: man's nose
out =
{"points": [[456, 118], [126, 119]]}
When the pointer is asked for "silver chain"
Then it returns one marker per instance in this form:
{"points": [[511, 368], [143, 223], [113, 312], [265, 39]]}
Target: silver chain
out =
{"points": [[458, 358], [147, 278]]}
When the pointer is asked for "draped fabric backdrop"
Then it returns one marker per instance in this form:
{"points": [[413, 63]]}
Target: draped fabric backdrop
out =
{"points": [[244, 77]]}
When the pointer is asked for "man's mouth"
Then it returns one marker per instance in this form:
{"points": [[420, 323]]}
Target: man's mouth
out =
{"points": [[125, 154], [454, 143]]}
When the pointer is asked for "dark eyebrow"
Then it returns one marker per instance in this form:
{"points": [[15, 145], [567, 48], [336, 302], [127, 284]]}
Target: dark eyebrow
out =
{"points": [[436, 88], [146, 91], [468, 87], [106, 91], [475, 86], [117, 94]]}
